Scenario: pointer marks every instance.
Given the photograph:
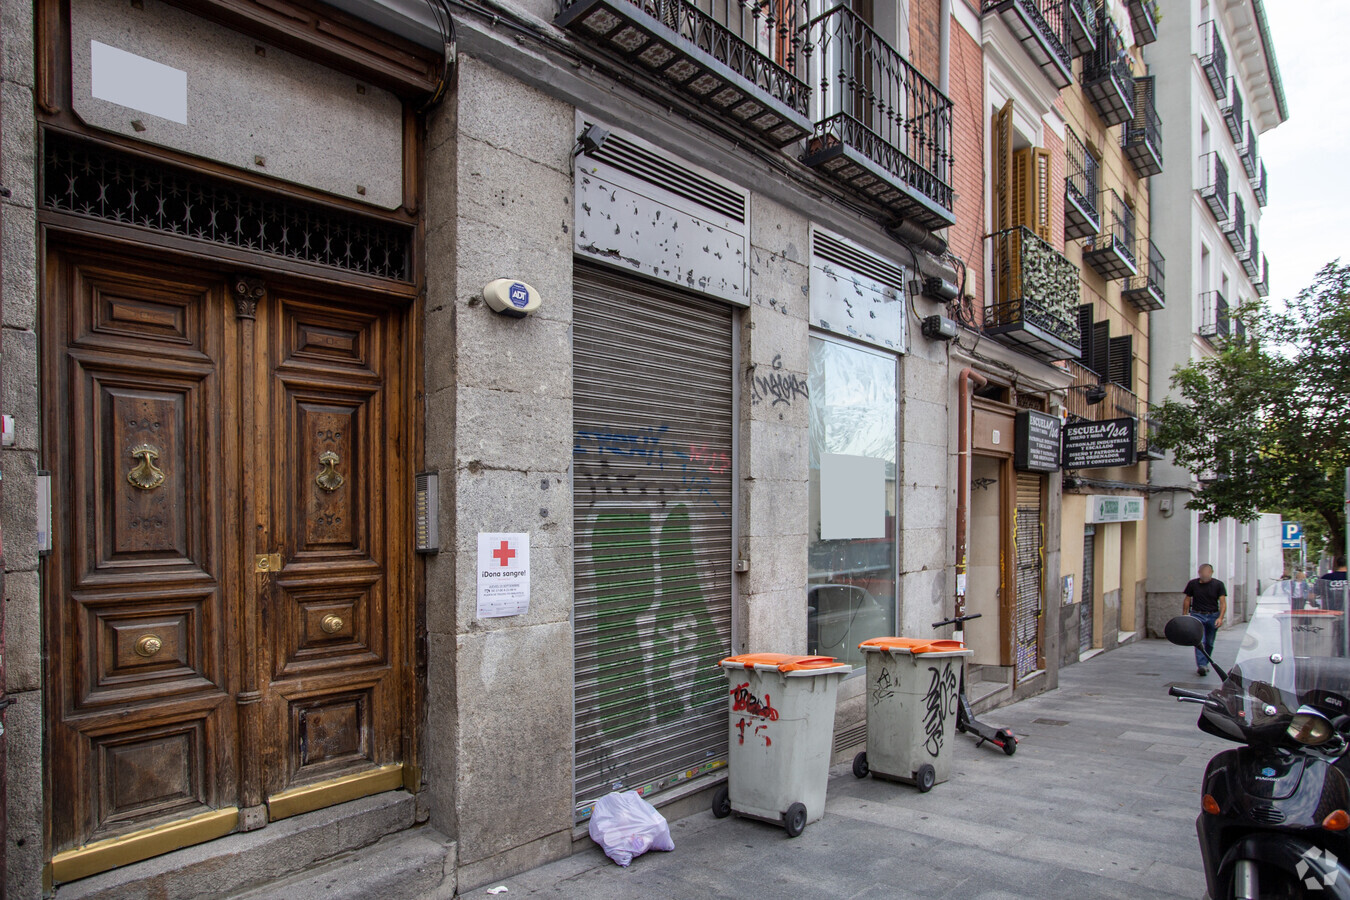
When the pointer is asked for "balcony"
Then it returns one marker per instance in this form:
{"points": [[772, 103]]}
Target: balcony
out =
{"points": [[1259, 187], [1107, 78], [1239, 331], [1043, 28], [1250, 257], [734, 57], [1143, 20], [1248, 152], [881, 129], [1235, 229], [1081, 217], [1214, 59], [1111, 252], [1116, 401], [1214, 185], [1082, 27], [1262, 284], [1232, 111], [1214, 322], [1034, 296], [1145, 290], [1141, 137]]}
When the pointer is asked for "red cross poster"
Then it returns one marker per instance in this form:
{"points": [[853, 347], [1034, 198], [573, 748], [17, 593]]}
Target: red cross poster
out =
{"points": [[503, 575]]}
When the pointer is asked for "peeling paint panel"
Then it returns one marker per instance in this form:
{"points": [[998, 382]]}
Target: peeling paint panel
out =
{"points": [[855, 293], [650, 222]]}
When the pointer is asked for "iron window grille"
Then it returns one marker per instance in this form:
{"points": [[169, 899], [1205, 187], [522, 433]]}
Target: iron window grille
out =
{"points": [[94, 181], [1141, 137], [1214, 59], [881, 127], [1081, 189]]}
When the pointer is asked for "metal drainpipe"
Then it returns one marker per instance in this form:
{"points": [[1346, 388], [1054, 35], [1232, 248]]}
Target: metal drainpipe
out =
{"points": [[945, 47], [963, 439]]}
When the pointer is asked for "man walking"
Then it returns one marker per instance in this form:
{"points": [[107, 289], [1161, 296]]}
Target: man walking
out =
{"points": [[1206, 600], [1329, 590]]}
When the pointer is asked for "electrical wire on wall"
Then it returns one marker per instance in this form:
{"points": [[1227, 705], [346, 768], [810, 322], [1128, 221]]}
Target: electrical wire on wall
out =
{"points": [[445, 26]]}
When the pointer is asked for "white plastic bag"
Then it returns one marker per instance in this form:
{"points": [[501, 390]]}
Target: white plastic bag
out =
{"points": [[625, 826]]}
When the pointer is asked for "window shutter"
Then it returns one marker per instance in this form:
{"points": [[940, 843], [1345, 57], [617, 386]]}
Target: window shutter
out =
{"points": [[1085, 334], [1101, 348], [1003, 167], [1122, 361], [1031, 190]]}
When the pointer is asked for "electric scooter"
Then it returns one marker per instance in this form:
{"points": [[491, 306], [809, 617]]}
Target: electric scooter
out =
{"points": [[965, 719]]}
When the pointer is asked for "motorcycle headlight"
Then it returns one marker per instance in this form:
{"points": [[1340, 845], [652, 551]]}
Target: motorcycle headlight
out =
{"points": [[1311, 728]]}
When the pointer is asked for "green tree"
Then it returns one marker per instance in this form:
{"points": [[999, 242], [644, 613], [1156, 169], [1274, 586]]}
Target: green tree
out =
{"points": [[1265, 424]]}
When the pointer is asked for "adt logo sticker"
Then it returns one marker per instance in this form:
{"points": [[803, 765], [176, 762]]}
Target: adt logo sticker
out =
{"points": [[519, 295], [1323, 860]]}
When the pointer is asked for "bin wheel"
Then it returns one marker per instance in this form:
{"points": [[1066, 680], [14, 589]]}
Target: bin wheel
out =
{"points": [[860, 767], [1009, 742], [925, 778], [721, 804], [794, 820]]}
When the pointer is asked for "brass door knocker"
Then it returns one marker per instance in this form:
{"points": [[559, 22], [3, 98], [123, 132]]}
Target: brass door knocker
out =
{"points": [[329, 479], [145, 475]]}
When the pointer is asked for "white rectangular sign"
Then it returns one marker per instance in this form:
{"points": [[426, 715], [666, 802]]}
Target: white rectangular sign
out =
{"points": [[852, 497], [1104, 508], [138, 83], [503, 575]]}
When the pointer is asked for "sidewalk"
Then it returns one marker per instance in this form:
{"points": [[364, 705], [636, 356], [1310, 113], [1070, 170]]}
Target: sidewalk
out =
{"points": [[1100, 801]]}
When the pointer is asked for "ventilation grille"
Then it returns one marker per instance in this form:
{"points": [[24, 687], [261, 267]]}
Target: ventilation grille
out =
{"points": [[627, 156], [88, 179], [848, 738], [836, 251], [1267, 815]]}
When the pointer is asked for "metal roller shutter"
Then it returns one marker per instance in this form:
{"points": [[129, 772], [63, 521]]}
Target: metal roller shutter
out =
{"points": [[1030, 569], [653, 475]]}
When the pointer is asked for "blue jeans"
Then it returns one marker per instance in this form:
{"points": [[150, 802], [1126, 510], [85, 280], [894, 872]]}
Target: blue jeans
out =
{"points": [[1210, 631]]}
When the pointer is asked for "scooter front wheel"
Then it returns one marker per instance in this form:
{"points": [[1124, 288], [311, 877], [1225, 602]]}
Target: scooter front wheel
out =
{"points": [[860, 767]]}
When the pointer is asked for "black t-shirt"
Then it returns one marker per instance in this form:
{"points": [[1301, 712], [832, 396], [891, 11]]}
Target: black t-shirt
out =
{"points": [[1205, 594], [1329, 590]]}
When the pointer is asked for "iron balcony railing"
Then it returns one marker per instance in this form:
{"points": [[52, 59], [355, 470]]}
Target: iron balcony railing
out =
{"points": [[1117, 401], [881, 127], [1214, 322], [1262, 284], [1235, 229], [1108, 79], [1233, 111], [1043, 28], [1214, 59], [1141, 137], [1145, 290], [1259, 186], [1034, 296], [1082, 16], [739, 58], [1239, 331], [1250, 257], [1248, 152], [1112, 251], [1081, 189], [1144, 21], [1214, 185]]}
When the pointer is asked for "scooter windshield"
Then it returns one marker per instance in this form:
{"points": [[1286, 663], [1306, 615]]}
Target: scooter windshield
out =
{"points": [[1292, 655]]}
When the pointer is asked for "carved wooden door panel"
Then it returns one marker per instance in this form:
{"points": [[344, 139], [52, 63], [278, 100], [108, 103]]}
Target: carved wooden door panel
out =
{"points": [[331, 478], [140, 581]]}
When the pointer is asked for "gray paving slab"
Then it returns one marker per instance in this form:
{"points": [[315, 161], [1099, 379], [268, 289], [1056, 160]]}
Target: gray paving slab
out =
{"points": [[1100, 801]]}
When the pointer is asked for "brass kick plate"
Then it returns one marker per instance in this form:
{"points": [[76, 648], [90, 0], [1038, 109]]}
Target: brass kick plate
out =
{"points": [[270, 562]]}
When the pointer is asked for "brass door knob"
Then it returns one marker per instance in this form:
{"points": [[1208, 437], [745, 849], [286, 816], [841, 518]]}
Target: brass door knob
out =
{"points": [[148, 645], [331, 624]]}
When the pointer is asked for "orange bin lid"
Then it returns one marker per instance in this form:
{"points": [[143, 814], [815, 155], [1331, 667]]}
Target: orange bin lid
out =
{"points": [[915, 646], [783, 662], [1312, 612]]}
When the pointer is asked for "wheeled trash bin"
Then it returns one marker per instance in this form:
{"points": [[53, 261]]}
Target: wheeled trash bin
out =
{"points": [[912, 693], [781, 731], [1313, 632]]}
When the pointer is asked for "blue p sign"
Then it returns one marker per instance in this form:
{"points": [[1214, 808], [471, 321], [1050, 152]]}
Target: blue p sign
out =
{"points": [[1292, 539]]}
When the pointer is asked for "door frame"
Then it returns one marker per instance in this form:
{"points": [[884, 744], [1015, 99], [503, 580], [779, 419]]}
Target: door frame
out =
{"points": [[73, 235]]}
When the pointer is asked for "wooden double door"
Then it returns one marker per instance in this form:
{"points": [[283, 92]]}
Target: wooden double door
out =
{"points": [[228, 610]]}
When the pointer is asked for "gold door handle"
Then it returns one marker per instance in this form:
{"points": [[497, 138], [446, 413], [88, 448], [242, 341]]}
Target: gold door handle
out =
{"points": [[145, 475], [329, 479], [148, 645], [331, 624]]}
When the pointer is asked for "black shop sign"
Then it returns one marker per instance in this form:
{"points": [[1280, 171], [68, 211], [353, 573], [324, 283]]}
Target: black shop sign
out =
{"points": [[1036, 442], [1099, 445]]}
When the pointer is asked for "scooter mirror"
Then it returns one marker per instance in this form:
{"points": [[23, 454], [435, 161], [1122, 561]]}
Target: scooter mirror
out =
{"points": [[1186, 631]]}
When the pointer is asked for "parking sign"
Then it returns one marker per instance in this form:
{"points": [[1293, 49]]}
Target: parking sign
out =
{"points": [[1293, 536]]}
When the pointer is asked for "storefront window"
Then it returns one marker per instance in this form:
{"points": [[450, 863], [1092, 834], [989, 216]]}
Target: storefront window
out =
{"points": [[851, 592]]}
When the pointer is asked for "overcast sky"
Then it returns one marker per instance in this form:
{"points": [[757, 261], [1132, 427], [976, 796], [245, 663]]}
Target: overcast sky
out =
{"points": [[1307, 222]]}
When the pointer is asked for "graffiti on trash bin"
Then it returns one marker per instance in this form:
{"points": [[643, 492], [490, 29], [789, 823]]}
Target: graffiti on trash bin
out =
{"points": [[939, 705], [744, 701], [884, 687], [744, 724]]}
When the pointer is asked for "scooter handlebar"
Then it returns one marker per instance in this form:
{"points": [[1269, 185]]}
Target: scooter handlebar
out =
{"points": [[957, 620], [1184, 694]]}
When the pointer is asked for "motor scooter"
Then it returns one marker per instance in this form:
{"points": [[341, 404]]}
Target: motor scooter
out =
{"points": [[1275, 812], [966, 723]]}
